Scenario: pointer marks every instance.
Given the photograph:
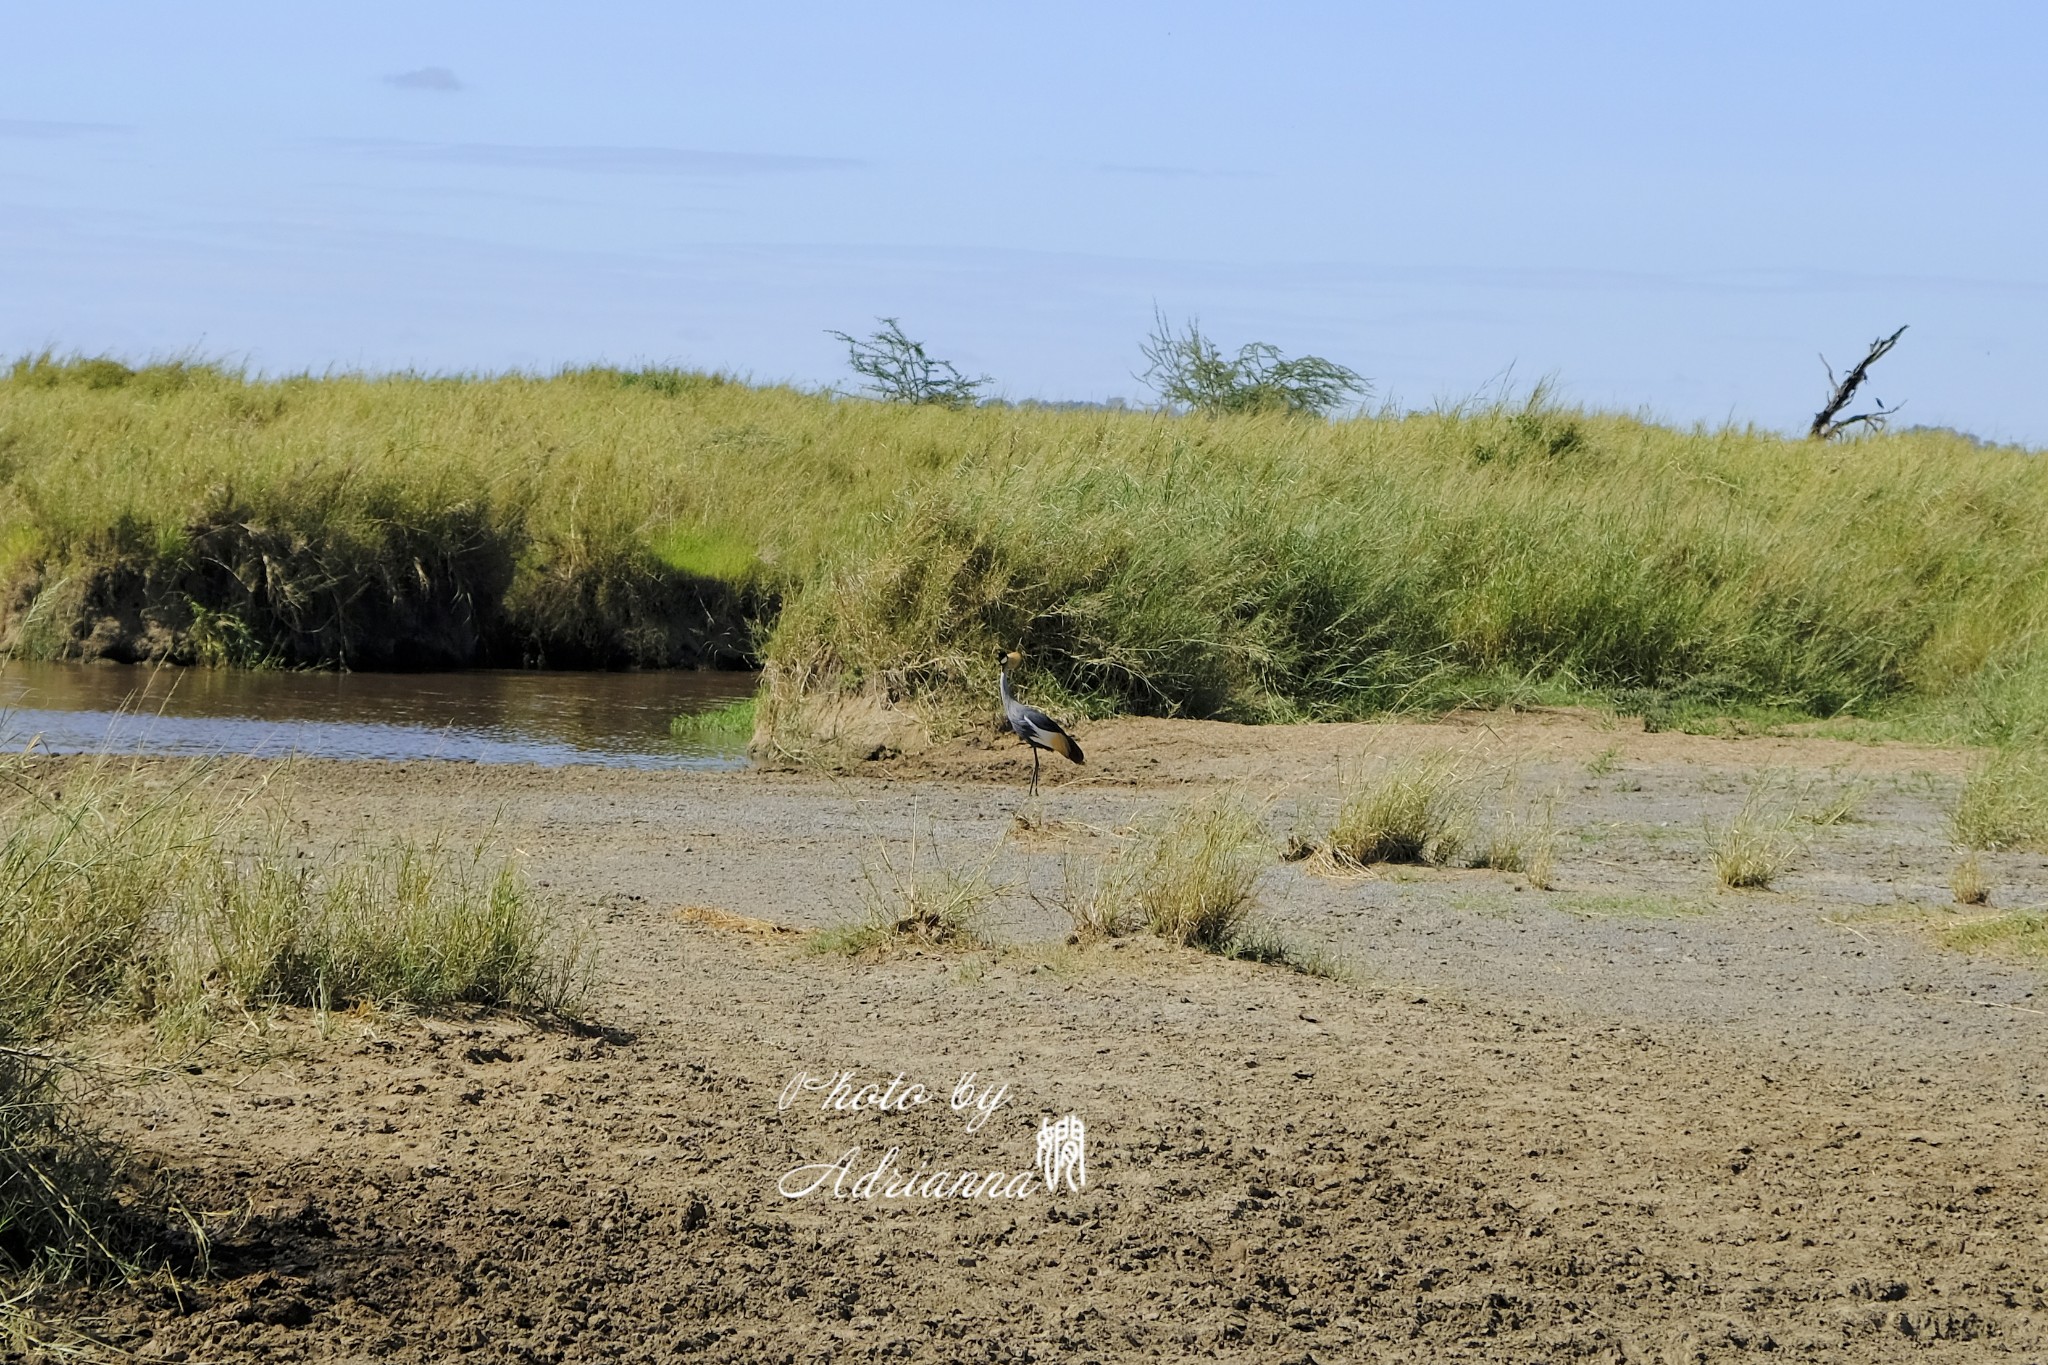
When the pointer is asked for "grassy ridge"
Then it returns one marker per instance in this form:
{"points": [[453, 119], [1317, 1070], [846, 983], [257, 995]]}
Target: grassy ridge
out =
{"points": [[1268, 569], [1257, 567]]}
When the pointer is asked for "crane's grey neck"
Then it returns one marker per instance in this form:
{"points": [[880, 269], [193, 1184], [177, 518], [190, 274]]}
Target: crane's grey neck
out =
{"points": [[1003, 682]]}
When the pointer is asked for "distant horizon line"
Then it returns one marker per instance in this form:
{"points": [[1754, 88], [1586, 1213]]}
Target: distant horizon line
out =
{"points": [[193, 359]]}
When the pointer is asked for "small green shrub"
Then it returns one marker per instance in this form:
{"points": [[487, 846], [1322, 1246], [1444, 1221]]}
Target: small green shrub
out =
{"points": [[899, 370]]}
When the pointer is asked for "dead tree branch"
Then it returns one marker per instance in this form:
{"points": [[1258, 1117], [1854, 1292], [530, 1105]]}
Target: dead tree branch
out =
{"points": [[1826, 425]]}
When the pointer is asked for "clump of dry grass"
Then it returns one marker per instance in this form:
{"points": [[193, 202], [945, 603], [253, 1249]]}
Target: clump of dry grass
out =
{"points": [[1194, 875], [1416, 810], [914, 895], [1097, 900], [1838, 807], [1968, 881], [1523, 841], [1758, 845], [414, 924], [1189, 875], [126, 888], [2004, 804], [97, 859], [71, 1201]]}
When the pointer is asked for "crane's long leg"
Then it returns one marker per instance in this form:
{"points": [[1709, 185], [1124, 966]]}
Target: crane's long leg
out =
{"points": [[1034, 770]]}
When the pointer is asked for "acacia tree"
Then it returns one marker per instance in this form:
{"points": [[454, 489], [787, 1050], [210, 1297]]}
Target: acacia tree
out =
{"points": [[1188, 370], [898, 370]]}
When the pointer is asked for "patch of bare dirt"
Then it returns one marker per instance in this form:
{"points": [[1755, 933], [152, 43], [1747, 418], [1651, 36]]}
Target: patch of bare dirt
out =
{"points": [[1139, 750]]}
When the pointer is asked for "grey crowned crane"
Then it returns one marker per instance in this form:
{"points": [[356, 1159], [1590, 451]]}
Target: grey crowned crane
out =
{"points": [[1032, 725]]}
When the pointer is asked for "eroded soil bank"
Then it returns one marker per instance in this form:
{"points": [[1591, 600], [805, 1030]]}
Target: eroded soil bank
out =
{"points": [[1630, 1118]]}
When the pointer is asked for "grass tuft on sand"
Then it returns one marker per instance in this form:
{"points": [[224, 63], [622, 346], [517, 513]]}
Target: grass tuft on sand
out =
{"points": [[1193, 875], [1524, 841], [2004, 803], [1758, 844], [1414, 810], [1264, 942], [1190, 875], [916, 895], [2009, 933], [412, 924], [1968, 882]]}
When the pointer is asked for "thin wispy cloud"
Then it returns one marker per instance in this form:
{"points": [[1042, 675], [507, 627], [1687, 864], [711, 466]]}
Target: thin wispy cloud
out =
{"points": [[1171, 172], [52, 129], [679, 161], [435, 78]]}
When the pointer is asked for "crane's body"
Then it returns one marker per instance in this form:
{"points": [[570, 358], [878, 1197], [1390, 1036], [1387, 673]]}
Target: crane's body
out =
{"points": [[1033, 726]]}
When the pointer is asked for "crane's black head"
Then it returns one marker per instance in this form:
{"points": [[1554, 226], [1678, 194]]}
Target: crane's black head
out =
{"points": [[1012, 659]]}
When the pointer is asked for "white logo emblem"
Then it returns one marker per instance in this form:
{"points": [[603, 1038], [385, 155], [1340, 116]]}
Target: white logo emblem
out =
{"points": [[1063, 1150]]}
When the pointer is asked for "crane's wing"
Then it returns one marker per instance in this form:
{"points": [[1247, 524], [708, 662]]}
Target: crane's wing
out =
{"points": [[1038, 728]]}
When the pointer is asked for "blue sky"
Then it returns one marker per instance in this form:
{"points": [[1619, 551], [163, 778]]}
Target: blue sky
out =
{"points": [[1671, 210]]}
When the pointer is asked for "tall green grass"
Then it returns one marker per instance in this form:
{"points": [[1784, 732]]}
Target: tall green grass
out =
{"points": [[1251, 567]]}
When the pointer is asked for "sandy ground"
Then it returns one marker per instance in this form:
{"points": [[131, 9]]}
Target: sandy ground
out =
{"points": [[1629, 1118]]}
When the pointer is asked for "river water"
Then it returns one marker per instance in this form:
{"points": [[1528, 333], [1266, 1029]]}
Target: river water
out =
{"points": [[480, 716]]}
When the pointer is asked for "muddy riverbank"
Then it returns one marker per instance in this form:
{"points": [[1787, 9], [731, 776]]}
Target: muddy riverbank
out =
{"points": [[1631, 1117]]}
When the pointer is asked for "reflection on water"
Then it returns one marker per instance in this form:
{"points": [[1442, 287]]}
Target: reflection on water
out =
{"points": [[482, 716]]}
